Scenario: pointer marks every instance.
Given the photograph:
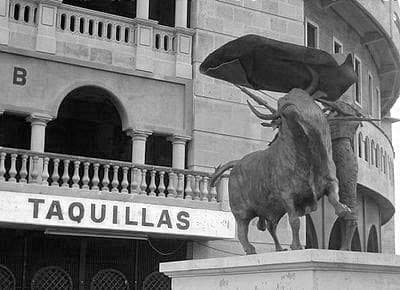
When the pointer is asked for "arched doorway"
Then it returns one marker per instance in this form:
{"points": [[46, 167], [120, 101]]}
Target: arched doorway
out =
{"points": [[88, 124], [311, 235], [355, 242], [335, 237], [372, 245]]}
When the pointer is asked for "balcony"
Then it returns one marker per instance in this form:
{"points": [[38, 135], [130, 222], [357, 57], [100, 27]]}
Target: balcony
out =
{"points": [[98, 38], [56, 173], [146, 192], [375, 159]]}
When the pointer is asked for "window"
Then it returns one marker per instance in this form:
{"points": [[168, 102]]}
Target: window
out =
{"points": [[358, 84], [337, 46], [378, 103], [370, 94], [366, 149], [312, 38], [360, 137], [372, 152]]}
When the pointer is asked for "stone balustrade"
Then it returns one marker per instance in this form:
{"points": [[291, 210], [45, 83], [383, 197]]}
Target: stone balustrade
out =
{"points": [[165, 39], [87, 35], [59, 170], [24, 12], [94, 24]]}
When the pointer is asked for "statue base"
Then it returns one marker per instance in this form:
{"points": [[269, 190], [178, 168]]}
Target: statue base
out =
{"points": [[305, 269]]}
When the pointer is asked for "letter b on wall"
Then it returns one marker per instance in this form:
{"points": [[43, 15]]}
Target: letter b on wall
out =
{"points": [[19, 76]]}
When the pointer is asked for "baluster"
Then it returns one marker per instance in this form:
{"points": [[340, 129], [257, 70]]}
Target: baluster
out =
{"points": [[204, 192], [188, 189], [23, 173], [143, 184], [45, 172], [13, 168], [196, 192], [65, 177], [180, 185], [2, 166], [161, 186], [55, 175], [85, 178], [134, 183], [75, 177], [152, 185], [171, 188], [124, 183], [35, 169], [95, 179], [105, 180], [213, 194], [115, 182]]}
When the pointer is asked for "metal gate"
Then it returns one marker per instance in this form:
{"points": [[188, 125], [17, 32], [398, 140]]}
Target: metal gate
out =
{"points": [[7, 279], [109, 279], [52, 278], [157, 281]]}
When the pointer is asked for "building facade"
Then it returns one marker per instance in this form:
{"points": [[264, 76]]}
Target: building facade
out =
{"points": [[109, 133]]}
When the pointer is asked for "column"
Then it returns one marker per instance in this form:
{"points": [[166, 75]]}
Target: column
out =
{"points": [[178, 150], [181, 13], [139, 138], [38, 134], [142, 9], [38, 130]]}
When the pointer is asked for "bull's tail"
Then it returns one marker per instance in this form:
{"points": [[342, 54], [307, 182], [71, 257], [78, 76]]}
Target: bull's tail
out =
{"points": [[220, 170]]}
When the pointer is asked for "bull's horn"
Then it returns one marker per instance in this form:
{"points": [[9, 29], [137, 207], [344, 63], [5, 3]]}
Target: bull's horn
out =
{"points": [[314, 81], [256, 98], [261, 115]]}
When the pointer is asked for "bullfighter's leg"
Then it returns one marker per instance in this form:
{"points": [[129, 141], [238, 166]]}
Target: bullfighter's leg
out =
{"points": [[348, 227], [271, 226], [294, 221], [333, 198], [243, 230]]}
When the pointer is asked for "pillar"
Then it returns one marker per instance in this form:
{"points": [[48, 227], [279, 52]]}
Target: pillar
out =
{"points": [[142, 9], [38, 134], [178, 150], [38, 130], [139, 138], [181, 13]]}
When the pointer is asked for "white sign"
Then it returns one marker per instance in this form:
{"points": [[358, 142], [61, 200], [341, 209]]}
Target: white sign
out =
{"points": [[71, 212]]}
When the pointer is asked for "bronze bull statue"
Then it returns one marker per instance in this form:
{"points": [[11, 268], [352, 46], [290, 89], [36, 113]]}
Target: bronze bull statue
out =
{"points": [[290, 176]]}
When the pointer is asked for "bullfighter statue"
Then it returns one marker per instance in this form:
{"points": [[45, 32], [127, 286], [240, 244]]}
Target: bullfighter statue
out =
{"points": [[297, 169]]}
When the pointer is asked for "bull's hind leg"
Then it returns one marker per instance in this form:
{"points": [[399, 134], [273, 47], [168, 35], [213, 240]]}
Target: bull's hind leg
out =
{"points": [[271, 226], [243, 230], [294, 221]]}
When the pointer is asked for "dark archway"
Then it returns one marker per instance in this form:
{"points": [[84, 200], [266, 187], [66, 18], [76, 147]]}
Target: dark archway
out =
{"points": [[311, 235], [372, 245], [355, 242], [335, 237], [88, 124]]}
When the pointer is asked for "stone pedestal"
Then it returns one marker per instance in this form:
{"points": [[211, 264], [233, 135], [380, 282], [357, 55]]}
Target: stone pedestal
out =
{"points": [[306, 269]]}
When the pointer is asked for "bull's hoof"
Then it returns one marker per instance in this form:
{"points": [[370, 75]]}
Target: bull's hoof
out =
{"points": [[281, 250], [296, 247], [250, 250]]}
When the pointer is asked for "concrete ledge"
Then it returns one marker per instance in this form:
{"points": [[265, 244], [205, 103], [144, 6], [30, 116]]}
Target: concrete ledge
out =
{"points": [[307, 269]]}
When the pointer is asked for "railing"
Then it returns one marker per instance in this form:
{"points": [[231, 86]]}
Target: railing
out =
{"points": [[164, 39], [58, 170], [24, 12], [95, 24]]}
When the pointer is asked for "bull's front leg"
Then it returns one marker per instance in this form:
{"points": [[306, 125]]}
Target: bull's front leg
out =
{"points": [[294, 221]]}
